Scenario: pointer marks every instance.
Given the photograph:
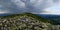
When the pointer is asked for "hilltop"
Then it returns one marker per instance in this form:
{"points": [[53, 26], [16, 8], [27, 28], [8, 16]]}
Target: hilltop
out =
{"points": [[26, 14], [25, 21]]}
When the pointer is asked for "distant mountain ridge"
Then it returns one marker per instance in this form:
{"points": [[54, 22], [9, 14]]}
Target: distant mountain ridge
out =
{"points": [[54, 18], [49, 16]]}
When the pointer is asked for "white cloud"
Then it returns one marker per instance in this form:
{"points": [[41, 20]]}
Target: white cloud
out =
{"points": [[19, 3], [54, 10], [2, 12], [48, 7]]}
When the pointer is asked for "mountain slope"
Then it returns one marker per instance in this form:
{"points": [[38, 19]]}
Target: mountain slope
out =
{"points": [[26, 21]]}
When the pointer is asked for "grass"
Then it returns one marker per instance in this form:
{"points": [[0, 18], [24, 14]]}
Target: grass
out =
{"points": [[29, 15]]}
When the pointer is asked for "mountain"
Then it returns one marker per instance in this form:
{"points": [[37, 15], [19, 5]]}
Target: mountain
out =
{"points": [[25, 21], [55, 18]]}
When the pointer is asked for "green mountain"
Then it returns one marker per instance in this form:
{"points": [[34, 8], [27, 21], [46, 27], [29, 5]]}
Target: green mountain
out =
{"points": [[25, 21]]}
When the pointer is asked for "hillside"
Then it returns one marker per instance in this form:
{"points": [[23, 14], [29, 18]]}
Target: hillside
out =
{"points": [[25, 21]]}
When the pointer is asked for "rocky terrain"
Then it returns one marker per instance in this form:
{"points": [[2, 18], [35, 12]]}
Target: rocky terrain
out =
{"points": [[25, 22]]}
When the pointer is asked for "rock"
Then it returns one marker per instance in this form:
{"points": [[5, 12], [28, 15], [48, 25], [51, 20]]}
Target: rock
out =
{"points": [[23, 23]]}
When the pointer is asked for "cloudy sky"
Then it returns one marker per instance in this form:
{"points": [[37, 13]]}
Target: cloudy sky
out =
{"points": [[32, 6]]}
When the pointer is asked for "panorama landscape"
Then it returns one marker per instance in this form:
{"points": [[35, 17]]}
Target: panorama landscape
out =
{"points": [[29, 14]]}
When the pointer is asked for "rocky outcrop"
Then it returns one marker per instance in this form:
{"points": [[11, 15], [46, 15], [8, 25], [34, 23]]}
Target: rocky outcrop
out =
{"points": [[24, 23]]}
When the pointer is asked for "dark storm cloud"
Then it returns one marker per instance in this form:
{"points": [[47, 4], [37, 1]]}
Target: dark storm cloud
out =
{"points": [[19, 6], [56, 1], [9, 7]]}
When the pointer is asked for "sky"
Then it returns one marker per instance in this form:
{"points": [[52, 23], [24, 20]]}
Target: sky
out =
{"points": [[33, 6]]}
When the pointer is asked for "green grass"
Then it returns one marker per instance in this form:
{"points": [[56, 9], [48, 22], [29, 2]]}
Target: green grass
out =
{"points": [[29, 15]]}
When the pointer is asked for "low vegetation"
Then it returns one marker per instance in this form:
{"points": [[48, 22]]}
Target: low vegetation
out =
{"points": [[25, 21]]}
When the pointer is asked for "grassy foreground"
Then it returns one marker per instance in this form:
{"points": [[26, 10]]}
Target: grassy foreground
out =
{"points": [[29, 15], [25, 21]]}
